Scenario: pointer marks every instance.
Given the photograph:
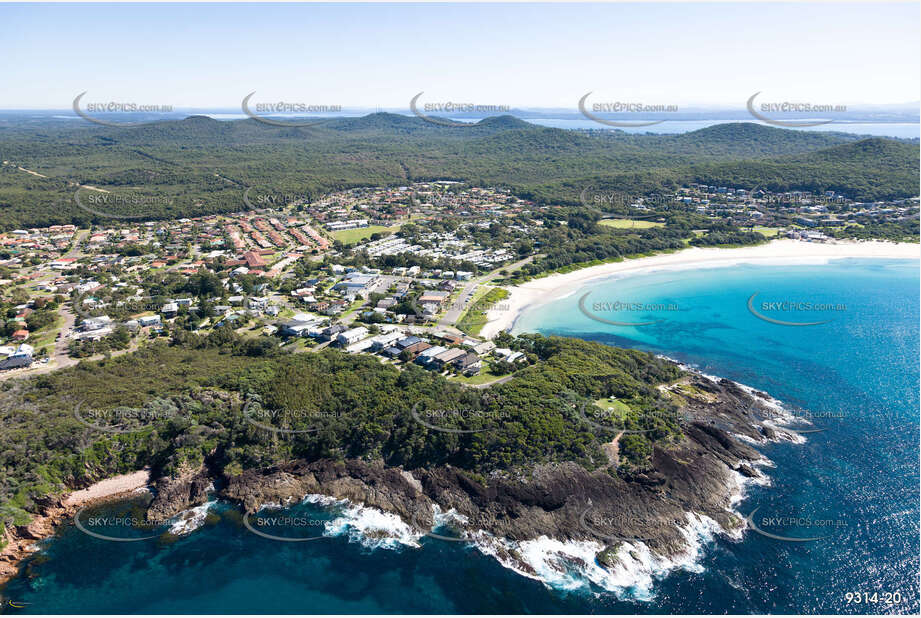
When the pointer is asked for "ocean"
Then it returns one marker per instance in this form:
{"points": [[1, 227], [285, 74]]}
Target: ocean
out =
{"points": [[852, 482]]}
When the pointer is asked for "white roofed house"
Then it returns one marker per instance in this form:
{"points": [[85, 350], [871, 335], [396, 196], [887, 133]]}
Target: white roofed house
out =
{"points": [[385, 341], [351, 336], [97, 323], [149, 320], [297, 328], [170, 310], [448, 357], [425, 357]]}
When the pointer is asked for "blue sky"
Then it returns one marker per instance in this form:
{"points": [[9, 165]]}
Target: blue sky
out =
{"points": [[211, 55]]}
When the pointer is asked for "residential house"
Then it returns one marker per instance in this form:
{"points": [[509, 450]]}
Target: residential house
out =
{"points": [[351, 336], [448, 357], [425, 357], [469, 364]]}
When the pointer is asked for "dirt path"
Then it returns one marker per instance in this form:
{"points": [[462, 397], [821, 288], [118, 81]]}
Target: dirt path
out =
{"points": [[612, 450]]}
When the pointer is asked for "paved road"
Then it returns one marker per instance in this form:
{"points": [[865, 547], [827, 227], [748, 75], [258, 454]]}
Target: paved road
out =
{"points": [[458, 308], [59, 357]]}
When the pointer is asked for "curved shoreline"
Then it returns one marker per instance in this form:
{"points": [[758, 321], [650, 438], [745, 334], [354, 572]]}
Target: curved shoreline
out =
{"points": [[21, 541], [533, 545], [538, 292]]}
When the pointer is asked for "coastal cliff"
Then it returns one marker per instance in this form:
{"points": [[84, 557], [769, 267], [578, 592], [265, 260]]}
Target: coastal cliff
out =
{"points": [[700, 474], [605, 446]]}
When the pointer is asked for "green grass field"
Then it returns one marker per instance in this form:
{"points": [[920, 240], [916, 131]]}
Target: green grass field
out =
{"points": [[474, 319], [481, 378], [769, 232], [626, 224], [618, 406], [350, 237]]}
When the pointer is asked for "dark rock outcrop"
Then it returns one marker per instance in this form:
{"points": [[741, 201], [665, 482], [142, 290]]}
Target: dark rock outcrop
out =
{"points": [[563, 500]]}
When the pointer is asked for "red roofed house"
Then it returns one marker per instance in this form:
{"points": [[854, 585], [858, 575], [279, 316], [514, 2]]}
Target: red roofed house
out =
{"points": [[253, 260], [21, 335]]}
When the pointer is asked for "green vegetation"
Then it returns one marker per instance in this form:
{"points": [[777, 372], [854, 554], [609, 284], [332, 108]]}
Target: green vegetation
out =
{"points": [[199, 166], [615, 405], [767, 232], [187, 400], [474, 318], [896, 231], [350, 237], [484, 377], [630, 223]]}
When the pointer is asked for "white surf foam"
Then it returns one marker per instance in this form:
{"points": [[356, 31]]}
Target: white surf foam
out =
{"points": [[191, 519], [572, 565], [373, 528]]}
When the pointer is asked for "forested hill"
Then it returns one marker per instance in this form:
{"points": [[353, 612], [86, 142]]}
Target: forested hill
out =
{"points": [[196, 415], [205, 164]]}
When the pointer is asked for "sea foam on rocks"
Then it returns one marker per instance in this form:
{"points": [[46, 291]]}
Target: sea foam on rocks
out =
{"points": [[191, 519], [373, 528], [572, 565]]}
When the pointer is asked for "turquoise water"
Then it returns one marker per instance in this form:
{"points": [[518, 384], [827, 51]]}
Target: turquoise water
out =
{"points": [[858, 374]]}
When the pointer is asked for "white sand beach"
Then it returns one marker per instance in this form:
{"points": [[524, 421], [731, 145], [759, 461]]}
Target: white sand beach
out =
{"points": [[114, 486], [541, 291]]}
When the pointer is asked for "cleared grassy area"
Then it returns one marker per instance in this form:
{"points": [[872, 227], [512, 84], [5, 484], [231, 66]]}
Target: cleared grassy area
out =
{"points": [[349, 237], [474, 319], [481, 378], [617, 406], [769, 232], [626, 224], [45, 337]]}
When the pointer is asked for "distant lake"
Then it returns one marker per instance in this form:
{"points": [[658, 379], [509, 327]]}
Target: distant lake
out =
{"points": [[882, 129]]}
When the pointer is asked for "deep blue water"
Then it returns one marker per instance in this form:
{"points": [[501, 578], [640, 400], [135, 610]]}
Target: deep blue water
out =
{"points": [[858, 374]]}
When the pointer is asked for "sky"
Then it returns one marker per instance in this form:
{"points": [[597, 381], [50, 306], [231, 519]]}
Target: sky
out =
{"points": [[380, 55]]}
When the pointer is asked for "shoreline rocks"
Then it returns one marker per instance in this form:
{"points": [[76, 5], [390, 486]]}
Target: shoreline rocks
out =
{"points": [[697, 474]]}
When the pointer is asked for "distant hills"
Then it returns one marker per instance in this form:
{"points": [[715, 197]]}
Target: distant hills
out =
{"points": [[204, 164]]}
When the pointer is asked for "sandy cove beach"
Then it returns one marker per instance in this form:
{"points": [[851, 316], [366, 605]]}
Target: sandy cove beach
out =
{"points": [[114, 486], [541, 291], [22, 540]]}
